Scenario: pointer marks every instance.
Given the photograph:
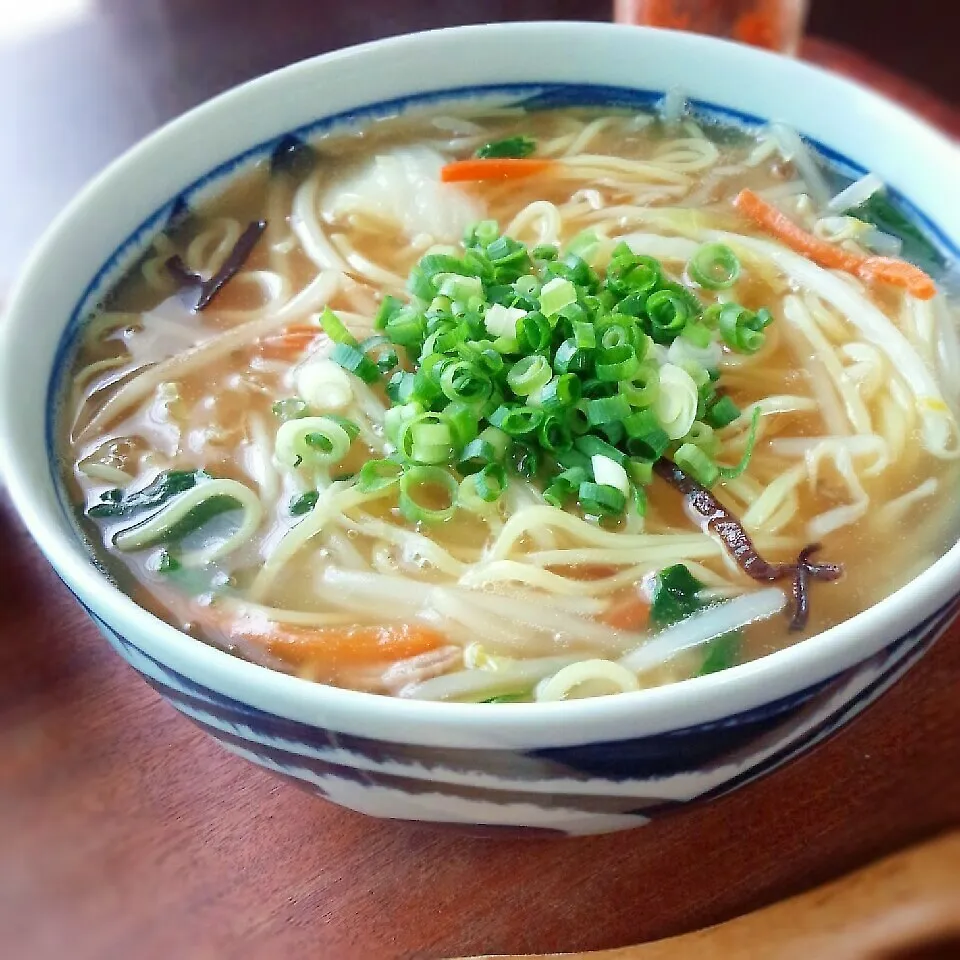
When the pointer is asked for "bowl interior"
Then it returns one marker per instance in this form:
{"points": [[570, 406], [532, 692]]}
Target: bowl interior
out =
{"points": [[539, 65]]}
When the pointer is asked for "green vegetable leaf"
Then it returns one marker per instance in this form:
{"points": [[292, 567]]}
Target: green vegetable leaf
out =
{"points": [[515, 147], [117, 503], [722, 653], [674, 598]]}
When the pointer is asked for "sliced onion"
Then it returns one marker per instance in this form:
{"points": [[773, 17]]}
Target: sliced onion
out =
{"points": [[707, 624], [858, 192], [676, 403], [884, 244], [793, 149]]}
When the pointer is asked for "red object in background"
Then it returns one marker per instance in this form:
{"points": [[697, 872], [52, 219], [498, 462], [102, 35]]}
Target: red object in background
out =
{"points": [[773, 24]]}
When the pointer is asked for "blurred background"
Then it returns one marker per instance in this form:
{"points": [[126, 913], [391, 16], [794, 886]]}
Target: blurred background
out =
{"points": [[81, 80]]}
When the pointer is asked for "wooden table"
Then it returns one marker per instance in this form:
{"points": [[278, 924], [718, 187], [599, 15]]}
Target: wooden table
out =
{"points": [[126, 833]]}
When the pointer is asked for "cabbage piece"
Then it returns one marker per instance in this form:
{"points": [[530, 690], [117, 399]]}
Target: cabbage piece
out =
{"points": [[403, 186]]}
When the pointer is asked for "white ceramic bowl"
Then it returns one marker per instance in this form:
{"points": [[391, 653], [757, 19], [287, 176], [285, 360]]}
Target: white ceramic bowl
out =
{"points": [[579, 767]]}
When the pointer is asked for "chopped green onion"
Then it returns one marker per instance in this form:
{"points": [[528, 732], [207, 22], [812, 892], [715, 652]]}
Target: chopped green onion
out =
{"points": [[584, 335], [545, 251], [528, 359], [525, 460], [516, 420], [490, 482], [515, 147], [304, 503], [668, 312], [476, 455], [499, 440], [415, 501], [561, 392], [590, 446], [555, 295], [642, 389], [722, 413], [463, 421], [554, 434], [390, 306], [609, 473], [311, 440], [741, 329], [714, 267], [640, 471], [569, 358], [333, 327], [645, 437], [617, 363], [397, 416], [482, 233], [697, 334], [692, 460], [353, 360], [606, 410], [465, 382], [528, 374], [427, 439], [378, 475], [386, 357], [630, 274], [601, 500], [701, 435], [731, 473], [534, 332], [584, 244]]}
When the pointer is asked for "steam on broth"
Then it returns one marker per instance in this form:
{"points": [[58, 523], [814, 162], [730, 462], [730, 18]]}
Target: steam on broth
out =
{"points": [[496, 405]]}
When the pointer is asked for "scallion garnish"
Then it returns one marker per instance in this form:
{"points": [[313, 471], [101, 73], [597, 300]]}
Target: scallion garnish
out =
{"points": [[428, 494], [509, 359], [714, 267]]}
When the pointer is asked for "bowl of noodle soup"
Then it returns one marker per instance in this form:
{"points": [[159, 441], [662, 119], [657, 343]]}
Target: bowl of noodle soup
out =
{"points": [[530, 426]]}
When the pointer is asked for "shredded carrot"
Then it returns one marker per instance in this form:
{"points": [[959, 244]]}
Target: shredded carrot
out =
{"points": [[290, 342], [898, 273], [336, 648], [630, 611], [495, 168], [895, 272]]}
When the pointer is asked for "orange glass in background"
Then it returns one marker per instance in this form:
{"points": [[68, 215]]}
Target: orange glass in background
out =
{"points": [[773, 24]]}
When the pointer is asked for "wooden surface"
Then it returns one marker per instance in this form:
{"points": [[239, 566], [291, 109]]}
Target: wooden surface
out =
{"points": [[124, 832], [904, 907]]}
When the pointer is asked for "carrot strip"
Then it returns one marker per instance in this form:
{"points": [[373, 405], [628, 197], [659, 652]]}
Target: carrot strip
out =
{"points": [[630, 612], [768, 217], [897, 273], [290, 342], [495, 168], [336, 648]]}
